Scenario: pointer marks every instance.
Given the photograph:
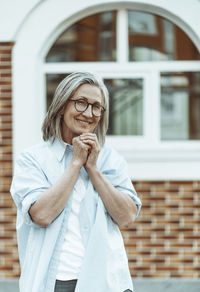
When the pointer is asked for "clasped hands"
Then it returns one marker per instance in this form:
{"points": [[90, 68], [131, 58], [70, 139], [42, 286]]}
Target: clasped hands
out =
{"points": [[86, 150]]}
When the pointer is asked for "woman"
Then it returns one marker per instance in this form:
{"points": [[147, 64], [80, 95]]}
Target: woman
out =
{"points": [[72, 192]]}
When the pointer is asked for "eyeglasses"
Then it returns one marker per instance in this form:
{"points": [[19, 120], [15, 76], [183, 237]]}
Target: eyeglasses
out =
{"points": [[81, 105]]}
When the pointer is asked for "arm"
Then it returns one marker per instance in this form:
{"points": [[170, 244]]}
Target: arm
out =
{"points": [[119, 205], [52, 201]]}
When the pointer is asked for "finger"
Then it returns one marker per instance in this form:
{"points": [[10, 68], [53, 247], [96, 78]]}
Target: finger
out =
{"points": [[88, 137], [90, 141], [80, 145], [91, 136], [94, 147]]}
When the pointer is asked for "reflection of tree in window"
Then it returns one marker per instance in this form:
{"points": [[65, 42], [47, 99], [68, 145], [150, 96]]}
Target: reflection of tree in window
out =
{"points": [[154, 38], [90, 39], [52, 81], [180, 106], [126, 102]]}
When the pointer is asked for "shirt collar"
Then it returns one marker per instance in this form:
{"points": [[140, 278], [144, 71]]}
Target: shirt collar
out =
{"points": [[59, 147]]}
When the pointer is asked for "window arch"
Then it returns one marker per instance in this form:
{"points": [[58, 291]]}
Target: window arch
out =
{"points": [[150, 38]]}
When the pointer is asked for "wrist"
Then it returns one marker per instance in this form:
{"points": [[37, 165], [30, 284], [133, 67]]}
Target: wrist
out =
{"points": [[76, 163], [92, 170]]}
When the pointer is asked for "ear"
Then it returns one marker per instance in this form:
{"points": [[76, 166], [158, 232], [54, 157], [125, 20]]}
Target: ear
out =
{"points": [[62, 112], [63, 109]]}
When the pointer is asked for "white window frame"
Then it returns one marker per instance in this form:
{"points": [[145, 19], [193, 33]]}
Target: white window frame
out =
{"points": [[150, 159]]}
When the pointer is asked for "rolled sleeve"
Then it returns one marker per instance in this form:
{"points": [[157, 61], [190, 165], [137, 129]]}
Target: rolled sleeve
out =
{"points": [[29, 200], [133, 195], [28, 183]]}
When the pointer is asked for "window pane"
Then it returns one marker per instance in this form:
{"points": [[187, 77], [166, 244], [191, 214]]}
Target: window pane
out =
{"points": [[126, 103], [154, 38], [180, 106], [52, 81], [90, 39]]}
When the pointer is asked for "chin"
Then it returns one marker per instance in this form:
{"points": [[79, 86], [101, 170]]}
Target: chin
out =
{"points": [[78, 133], [84, 130]]}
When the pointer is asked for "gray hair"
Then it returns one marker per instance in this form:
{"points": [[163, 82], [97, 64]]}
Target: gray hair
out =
{"points": [[51, 127]]}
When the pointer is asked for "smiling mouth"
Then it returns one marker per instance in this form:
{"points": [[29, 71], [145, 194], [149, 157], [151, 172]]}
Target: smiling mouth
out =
{"points": [[84, 122]]}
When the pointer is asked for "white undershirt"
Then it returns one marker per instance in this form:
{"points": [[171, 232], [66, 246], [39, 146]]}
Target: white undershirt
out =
{"points": [[73, 250]]}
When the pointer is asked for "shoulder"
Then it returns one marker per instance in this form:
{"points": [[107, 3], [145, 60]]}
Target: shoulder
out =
{"points": [[108, 150], [109, 155], [34, 153], [36, 149]]}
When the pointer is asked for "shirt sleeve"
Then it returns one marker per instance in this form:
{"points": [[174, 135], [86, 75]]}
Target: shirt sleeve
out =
{"points": [[116, 171], [29, 181]]}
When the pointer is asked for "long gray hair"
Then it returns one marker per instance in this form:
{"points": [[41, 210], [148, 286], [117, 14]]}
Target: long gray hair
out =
{"points": [[51, 127]]}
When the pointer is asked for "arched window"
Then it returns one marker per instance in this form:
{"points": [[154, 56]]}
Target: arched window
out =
{"points": [[148, 64]]}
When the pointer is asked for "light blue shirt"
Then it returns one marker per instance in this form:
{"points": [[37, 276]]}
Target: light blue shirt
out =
{"points": [[105, 265]]}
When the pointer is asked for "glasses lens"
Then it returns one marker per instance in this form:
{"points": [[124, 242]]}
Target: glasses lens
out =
{"points": [[96, 109], [81, 105]]}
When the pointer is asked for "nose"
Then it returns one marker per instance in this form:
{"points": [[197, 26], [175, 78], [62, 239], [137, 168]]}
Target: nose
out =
{"points": [[88, 111]]}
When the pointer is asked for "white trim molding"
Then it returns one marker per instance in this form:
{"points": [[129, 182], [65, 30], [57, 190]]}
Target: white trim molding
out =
{"points": [[162, 161]]}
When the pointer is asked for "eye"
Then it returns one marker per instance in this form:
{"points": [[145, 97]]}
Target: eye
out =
{"points": [[97, 106], [81, 102]]}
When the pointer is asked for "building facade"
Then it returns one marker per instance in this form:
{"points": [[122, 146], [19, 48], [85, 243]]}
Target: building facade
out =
{"points": [[148, 54]]}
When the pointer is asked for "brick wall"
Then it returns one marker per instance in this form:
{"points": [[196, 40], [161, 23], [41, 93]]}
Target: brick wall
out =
{"points": [[165, 241], [8, 248]]}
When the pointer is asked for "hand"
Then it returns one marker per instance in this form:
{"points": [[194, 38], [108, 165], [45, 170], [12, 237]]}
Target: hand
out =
{"points": [[81, 151], [91, 140]]}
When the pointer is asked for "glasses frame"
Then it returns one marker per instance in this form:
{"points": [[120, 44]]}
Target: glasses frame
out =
{"points": [[88, 104]]}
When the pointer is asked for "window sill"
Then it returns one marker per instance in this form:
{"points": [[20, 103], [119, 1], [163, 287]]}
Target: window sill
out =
{"points": [[161, 160]]}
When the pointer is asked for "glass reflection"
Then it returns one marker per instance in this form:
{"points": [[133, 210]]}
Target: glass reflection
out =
{"points": [[153, 38], [88, 40], [126, 103], [180, 106], [52, 81]]}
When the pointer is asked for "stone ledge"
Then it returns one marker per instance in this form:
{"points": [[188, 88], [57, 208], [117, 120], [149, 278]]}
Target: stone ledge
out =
{"points": [[140, 284], [166, 285]]}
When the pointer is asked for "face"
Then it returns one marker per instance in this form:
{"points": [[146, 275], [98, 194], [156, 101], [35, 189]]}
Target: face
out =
{"points": [[76, 123]]}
